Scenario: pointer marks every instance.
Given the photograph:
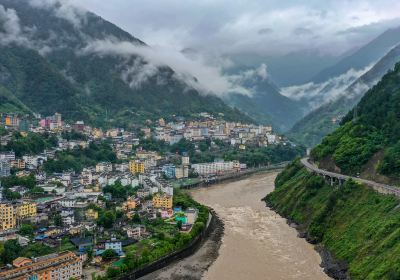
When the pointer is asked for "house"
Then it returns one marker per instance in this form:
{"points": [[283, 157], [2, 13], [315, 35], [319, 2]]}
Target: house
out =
{"points": [[115, 245], [136, 232], [82, 243], [131, 203], [91, 214], [21, 261], [166, 214], [191, 215]]}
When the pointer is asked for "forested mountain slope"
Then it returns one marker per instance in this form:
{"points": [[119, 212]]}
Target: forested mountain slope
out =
{"points": [[368, 140], [314, 126], [48, 63]]}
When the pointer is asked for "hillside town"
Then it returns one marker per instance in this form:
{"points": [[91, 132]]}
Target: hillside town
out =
{"points": [[121, 195]]}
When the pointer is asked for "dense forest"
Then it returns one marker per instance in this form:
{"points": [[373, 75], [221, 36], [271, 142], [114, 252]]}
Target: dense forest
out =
{"points": [[371, 128]]}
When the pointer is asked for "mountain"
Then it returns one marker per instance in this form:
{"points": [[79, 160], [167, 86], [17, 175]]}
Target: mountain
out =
{"points": [[356, 228], [325, 119], [366, 55], [266, 104], [56, 57], [368, 139]]}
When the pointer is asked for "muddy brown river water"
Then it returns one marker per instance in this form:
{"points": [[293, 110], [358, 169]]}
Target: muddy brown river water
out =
{"points": [[257, 243]]}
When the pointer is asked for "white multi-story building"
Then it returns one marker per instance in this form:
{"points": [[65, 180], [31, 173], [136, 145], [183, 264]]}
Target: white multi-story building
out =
{"points": [[216, 167], [104, 167], [9, 156]]}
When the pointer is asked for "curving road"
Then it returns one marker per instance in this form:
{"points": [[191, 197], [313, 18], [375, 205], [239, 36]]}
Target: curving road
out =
{"points": [[381, 188]]}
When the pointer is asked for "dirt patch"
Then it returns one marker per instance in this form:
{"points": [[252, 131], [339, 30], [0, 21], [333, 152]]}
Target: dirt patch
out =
{"points": [[329, 164], [369, 171]]}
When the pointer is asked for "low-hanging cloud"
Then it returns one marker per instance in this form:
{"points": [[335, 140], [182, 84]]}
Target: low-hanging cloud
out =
{"points": [[195, 72], [317, 94], [209, 25], [11, 30], [63, 9]]}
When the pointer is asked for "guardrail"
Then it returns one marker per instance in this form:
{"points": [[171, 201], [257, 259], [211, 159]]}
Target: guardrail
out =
{"points": [[381, 188]]}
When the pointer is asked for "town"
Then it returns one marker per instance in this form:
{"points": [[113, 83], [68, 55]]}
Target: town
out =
{"points": [[76, 197]]}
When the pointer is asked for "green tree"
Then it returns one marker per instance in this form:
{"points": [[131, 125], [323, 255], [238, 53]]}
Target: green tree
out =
{"points": [[107, 219], [26, 229], [108, 255], [11, 251], [58, 220]]}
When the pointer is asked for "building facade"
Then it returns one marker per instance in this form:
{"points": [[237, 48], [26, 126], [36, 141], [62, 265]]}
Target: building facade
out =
{"points": [[162, 201], [62, 266], [136, 167], [7, 217], [5, 168]]}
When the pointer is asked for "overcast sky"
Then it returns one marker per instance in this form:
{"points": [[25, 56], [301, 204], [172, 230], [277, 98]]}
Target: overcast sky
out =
{"points": [[262, 26]]}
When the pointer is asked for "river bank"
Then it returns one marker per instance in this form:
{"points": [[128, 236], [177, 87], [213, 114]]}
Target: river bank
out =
{"points": [[256, 244], [194, 266]]}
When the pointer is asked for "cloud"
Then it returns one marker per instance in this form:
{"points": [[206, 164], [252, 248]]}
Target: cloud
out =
{"points": [[63, 9], [11, 30], [251, 75], [317, 94], [206, 77], [138, 73], [210, 26]]}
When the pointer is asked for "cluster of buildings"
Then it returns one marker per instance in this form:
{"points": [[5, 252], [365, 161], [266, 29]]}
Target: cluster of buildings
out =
{"points": [[13, 213], [76, 197], [237, 134]]}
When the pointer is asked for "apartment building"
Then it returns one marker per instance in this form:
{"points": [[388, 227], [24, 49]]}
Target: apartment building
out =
{"points": [[26, 210], [10, 213], [216, 167], [136, 166], [7, 217], [162, 201], [61, 266]]}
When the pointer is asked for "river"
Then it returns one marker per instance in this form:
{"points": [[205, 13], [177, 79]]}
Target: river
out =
{"points": [[256, 244]]}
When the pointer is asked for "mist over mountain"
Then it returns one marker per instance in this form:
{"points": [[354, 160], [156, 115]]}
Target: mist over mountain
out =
{"points": [[290, 69], [266, 104], [363, 57], [56, 57], [325, 119]]}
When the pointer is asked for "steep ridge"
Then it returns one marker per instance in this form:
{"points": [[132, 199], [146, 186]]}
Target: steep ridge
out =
{"points": [[314, 126], [371, 128], [357, 229], [363, 57]]}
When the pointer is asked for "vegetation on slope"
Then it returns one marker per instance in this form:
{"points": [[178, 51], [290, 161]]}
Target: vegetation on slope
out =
{"points": [[313, 127], [356, 224], [32, 143], [373, 125], [105, 90]]}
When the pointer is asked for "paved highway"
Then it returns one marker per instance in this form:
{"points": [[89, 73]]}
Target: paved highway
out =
{"points": [[381, 188]]}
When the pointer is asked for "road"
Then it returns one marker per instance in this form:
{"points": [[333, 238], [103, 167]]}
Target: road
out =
{"points": [[381, 188]]}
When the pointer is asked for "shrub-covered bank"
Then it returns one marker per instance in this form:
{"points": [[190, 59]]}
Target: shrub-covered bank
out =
{"points": [[355, 224]]}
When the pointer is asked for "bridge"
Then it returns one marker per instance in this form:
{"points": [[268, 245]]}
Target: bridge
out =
{"points": [[336, 178]]}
